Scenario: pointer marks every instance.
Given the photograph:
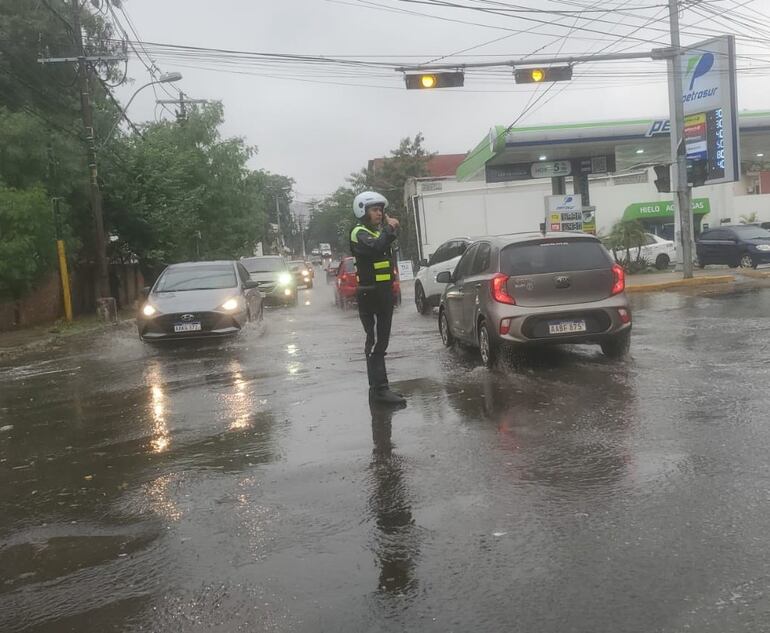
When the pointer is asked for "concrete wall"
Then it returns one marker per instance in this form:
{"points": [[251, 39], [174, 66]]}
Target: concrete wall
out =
{"points": [[45, 305]]}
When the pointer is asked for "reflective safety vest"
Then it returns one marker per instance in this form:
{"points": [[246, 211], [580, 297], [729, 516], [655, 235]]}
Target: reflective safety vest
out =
{"points": [[371, 270]]}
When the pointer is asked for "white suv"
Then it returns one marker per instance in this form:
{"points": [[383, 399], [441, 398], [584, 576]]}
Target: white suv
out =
{"points": [[427, 291]]}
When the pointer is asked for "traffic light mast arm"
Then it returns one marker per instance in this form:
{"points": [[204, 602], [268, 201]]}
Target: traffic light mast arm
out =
{"points": [[658, 53]]}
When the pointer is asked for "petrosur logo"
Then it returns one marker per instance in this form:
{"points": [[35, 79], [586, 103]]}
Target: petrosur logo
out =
{"points": [[698, 66]]}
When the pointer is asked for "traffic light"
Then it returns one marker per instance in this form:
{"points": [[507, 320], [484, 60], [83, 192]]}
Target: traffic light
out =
{"points": [[697, 172], [542, 75], [663, 178], [429, 81]]}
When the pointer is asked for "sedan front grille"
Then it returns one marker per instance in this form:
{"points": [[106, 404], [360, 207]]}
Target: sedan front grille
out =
{"points": [[208, 320]]}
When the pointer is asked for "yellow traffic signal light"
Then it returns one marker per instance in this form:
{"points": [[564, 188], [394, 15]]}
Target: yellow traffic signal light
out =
{"points": [[539, 75], [430, 81]]}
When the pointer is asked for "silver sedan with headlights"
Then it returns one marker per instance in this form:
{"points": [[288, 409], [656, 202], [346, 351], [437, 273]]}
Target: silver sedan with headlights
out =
{"points": [[199, 299], [275, 279]]}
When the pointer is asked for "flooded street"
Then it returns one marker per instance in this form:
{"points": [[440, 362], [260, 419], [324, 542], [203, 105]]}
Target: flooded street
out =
{"points": [[249, 486]]}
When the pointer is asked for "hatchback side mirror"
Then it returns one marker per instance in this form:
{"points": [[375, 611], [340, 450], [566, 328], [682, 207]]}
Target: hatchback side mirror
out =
{"points": [[146, 291], [423, 263], [444, 277], [250, 284]]}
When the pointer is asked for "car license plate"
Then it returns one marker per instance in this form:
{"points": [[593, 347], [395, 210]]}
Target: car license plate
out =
{"points": [[566, 327], [187, 327]]}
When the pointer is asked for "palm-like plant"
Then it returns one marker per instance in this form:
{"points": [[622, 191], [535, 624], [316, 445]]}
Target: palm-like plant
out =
{"points": [[625, 236]]}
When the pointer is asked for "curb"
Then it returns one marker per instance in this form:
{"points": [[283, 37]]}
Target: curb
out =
{"points": [[682, 283], [755, 274]]}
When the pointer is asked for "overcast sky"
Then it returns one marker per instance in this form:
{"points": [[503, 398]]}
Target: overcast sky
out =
{"points": [[317, 133]]}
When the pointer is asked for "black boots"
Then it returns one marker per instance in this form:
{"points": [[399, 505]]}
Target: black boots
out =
{"points": [[383, 395], [379, 391]]}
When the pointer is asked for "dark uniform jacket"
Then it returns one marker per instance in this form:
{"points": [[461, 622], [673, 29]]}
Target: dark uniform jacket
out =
{"points": [[374, 255]]}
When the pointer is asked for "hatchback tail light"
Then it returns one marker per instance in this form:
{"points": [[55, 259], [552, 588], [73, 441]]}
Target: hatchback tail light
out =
{"points": [[618, 279], [500, 290]]}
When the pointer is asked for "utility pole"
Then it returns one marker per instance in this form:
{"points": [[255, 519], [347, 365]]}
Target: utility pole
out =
{"points": [[278, 222], [182, 102], [102, 271], [105, 303], [683, 222]]}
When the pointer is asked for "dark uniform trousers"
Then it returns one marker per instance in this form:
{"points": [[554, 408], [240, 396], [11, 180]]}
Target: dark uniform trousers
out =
{"points": [[375, 308]]}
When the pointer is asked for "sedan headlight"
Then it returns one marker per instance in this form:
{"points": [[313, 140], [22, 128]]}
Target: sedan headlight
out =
{"points": [[284, 279], [231, 304], [149, 310], [763, 247]]}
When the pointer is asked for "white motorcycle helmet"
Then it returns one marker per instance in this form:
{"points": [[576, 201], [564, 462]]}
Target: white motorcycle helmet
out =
{"points": [[368, 199]]}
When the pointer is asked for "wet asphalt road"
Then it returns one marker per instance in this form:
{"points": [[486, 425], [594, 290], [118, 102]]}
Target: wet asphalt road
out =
{"points": [[247, 486]]}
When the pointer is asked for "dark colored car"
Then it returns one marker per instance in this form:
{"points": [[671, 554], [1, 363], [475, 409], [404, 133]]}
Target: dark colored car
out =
{"points": [[199, 299], [346, 284], [275, 280], [742, 245], [530, 289], [303, 273]]}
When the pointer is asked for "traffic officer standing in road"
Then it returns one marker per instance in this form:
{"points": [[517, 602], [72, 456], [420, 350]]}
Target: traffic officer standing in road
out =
{"points": [[370, 243]]}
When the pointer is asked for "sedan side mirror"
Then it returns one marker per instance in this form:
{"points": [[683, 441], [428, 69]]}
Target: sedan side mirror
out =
{"points": [[444, 277], [251, 284], [424, 263], [146, 291]]}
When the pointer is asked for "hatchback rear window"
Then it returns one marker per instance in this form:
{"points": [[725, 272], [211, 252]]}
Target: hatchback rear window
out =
{"points": [[350, 266], [553, 256]]}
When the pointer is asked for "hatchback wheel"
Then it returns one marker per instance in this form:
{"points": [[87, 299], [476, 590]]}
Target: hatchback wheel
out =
{"points": [[443, 326], [420, 300], [488, 347], [618, 346], [747, 261]]}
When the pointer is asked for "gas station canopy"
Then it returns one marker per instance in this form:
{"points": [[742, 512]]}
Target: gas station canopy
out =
{"points": [[546, 151]]}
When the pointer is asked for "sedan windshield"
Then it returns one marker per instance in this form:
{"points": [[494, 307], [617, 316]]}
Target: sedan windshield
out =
{"points": [[264, 264], [206, 277]]}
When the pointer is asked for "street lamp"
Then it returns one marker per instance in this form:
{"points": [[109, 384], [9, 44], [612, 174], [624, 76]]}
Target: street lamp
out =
{"points": [[164, 78]]}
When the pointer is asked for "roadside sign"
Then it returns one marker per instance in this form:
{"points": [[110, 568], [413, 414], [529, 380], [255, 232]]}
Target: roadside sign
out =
{"points": [[405, 271], [709, 98], [587, 165], [551, 169], [564, 213]]}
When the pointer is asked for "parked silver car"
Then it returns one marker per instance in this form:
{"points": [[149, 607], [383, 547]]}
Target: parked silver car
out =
{"points": [[198, 299], [531, 289]]}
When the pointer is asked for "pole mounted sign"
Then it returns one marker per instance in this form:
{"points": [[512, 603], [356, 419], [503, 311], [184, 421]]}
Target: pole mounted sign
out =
{"points": [[711, 116], [564, 213]]}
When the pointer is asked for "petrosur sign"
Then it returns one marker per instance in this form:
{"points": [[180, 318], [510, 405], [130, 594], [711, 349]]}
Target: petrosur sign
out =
{"points": [[709, 98]]}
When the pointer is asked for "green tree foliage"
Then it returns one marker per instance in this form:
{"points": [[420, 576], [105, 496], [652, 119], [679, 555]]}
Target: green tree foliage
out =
{"points": [[408, 160], [334, 218], [186, 193], [179, 192], [625, 237], [27, 246]]}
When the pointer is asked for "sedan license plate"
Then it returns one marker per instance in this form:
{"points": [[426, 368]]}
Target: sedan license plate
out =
{"points": [[187, 327], [566, 327]]}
